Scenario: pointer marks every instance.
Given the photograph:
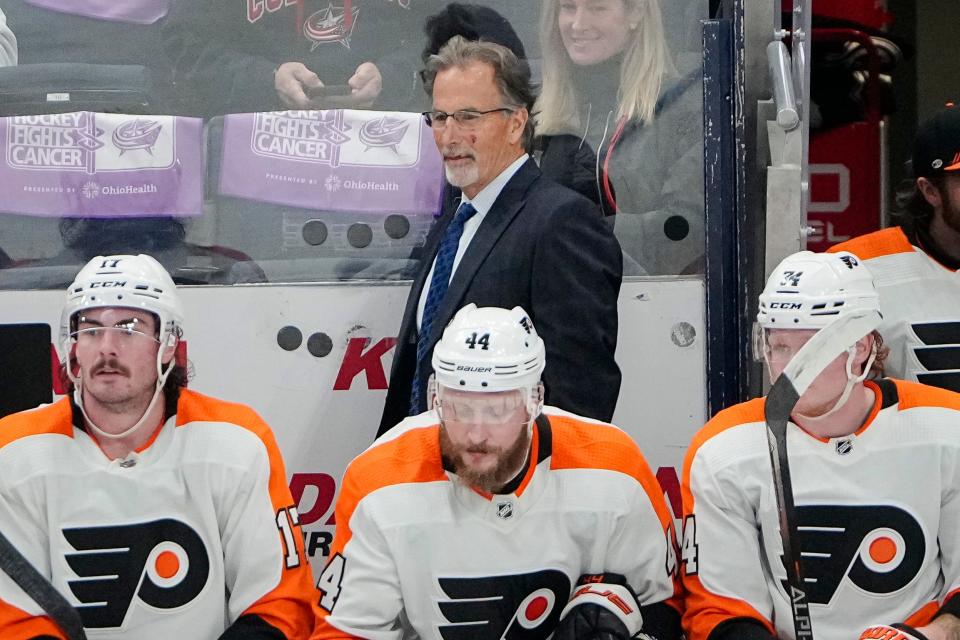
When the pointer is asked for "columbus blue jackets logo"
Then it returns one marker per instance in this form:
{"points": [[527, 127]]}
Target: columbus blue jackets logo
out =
{"points": [[880, 549], [163, 563], [511, 607], [387, 131], [137, 134], [332, 24]]}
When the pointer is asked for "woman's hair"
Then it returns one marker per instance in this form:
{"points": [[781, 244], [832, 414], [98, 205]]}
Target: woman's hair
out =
{"points": [[645, 61]]}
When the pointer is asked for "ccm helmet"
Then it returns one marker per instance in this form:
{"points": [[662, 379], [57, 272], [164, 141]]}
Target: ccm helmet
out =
{"points": [[490, 349], [810, 290], [137, 282]]}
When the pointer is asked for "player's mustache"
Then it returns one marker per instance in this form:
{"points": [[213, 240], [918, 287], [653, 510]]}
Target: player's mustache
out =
{"points": [[455, 151], [482, 449], [110, 363]]}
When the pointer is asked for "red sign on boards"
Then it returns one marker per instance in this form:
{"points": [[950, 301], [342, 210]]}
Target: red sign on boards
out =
{"points": [[845, 184]]}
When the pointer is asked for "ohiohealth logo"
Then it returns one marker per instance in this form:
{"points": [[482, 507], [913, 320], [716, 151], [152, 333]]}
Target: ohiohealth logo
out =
{"points": [[334, 184], [91, 190]]}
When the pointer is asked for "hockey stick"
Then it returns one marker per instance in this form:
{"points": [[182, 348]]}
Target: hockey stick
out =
{"points": [[822, 348], [40, 590]]}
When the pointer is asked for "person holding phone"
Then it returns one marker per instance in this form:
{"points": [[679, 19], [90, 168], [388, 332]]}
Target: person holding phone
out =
{"points": [[232, 57]]}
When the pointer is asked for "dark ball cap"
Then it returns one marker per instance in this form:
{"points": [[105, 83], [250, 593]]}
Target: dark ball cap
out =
{"points": [[936, 149], [473, 22]]}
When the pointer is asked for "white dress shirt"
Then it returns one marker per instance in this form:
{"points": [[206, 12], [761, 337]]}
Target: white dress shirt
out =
{"points": [[482, 203]]}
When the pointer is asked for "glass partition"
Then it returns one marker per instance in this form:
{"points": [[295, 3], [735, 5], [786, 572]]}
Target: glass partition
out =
{"points": [[123, 132]]}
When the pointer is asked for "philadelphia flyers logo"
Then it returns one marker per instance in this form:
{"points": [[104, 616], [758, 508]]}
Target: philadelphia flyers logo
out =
{"points": [[878, 548], [163, 563], [850, 261], [512, 607], [939, 355]]}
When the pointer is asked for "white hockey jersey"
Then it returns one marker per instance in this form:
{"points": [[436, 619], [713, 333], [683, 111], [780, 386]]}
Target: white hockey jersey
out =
{"points": [[920, 303], [878, 515], [418, 554], [177, 540]]}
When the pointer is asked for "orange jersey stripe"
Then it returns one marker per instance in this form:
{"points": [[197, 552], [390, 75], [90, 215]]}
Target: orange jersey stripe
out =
{"points": [[873, 245], [705, 610], [290, 606], [588, 445], [16, 623], [54, 418], [411, 457], [922, 616], [915, 394]]}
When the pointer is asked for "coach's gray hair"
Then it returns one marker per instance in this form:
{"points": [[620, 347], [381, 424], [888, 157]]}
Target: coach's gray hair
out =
{"points": [[511, 74]]}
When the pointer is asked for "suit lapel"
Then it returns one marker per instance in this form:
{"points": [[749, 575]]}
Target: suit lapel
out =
{"points": [[450, 200], [506, 207]]}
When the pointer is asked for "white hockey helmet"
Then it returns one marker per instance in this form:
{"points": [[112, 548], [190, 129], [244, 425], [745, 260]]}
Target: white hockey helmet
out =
{"points": [[136, 282], [810, 290], [489, 349]]}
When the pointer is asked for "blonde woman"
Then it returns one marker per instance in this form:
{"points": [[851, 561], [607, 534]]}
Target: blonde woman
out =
{"points": [[618, 123]]}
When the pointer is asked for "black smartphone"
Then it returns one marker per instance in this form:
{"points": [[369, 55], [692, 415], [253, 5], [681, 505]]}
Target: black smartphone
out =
{"points": [[330, 90]]}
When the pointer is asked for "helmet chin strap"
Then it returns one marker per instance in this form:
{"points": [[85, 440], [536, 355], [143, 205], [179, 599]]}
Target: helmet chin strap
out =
{"points": [[161, 380], [852, 381]]}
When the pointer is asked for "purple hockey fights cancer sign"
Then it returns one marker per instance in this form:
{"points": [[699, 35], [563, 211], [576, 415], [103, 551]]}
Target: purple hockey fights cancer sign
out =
{"points": [[336, 160], [131, 11], [86, 164]]}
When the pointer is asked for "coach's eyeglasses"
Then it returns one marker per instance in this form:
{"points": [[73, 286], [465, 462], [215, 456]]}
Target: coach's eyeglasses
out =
{"points": [[464, 117]]}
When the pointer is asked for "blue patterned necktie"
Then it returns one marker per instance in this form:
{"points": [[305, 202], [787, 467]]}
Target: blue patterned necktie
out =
{"points": [[442, 269]]}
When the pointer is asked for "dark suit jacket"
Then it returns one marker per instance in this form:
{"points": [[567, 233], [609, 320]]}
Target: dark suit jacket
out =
{"points": [[546, 248]]}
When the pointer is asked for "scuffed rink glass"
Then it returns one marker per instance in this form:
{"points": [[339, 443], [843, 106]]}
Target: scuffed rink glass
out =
{"points": [[320, 192]]}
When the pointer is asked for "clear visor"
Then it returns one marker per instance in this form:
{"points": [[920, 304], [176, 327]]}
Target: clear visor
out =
{"points": [[759, 343], [123, 334], [492, 408], [778, 346]]}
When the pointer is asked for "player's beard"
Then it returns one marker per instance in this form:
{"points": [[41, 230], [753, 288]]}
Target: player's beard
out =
{"points": [[509, 460], [118, 398], [951, 210], [465, 174]]}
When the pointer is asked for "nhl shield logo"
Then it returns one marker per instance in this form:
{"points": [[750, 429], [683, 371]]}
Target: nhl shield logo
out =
{"points": [[505, 510], [844, 446]]}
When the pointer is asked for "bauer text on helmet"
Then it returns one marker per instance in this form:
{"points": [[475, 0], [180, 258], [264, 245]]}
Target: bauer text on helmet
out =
{"points": [[489, 349]]}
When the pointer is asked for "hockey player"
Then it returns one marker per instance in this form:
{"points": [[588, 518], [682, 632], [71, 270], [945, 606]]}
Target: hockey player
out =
{"points": [[916, 264], [874, 481], [158, 512], [493, 516]]}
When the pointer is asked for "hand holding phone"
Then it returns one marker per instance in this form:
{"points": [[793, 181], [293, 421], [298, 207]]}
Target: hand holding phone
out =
{"points": [[328, 90]]}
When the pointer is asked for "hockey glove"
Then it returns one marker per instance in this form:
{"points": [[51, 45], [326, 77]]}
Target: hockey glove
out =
{"points": [[600, 609], [891, 632]]}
